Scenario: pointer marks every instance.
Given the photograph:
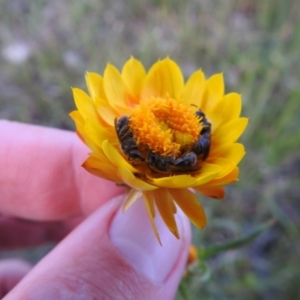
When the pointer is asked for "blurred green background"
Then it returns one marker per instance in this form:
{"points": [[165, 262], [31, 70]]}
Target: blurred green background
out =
{"points": [[47, 46]]}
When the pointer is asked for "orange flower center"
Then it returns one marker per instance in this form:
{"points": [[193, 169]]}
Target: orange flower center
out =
{"points": [[166, 126]]}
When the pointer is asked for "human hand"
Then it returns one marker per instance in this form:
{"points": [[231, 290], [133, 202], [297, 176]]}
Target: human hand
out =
{"points": [[44, 194]]}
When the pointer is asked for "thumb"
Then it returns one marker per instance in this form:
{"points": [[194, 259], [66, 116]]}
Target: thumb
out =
{"points": [[111, 255]]}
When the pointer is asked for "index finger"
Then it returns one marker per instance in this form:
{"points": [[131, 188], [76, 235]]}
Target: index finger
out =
{"points": [[41, 177]]}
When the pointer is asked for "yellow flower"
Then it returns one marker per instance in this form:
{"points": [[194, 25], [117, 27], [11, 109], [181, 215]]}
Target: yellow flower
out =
{"points": [[161, 136]]}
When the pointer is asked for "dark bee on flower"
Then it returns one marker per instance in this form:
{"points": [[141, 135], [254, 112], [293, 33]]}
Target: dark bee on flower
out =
{"points": [[127, 140], [158, 163], [185, 163], [202, 145], [170, 164]]}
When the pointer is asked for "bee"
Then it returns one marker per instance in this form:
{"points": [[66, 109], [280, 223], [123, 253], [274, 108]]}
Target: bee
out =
{"points": [[168, 164], [202, 145], [158, 163], [127, 140], [186, 163]]}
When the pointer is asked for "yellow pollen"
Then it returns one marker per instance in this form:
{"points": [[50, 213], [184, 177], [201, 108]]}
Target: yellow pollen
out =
{"points": [[165, 125]]}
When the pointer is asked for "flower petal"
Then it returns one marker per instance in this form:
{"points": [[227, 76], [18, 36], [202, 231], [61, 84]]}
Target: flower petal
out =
{"points": [[98, 133], [163, 79], [94, 136], [148, 201], [227, 179], [214, 118], [232, 106], [216, 192], [190, 205], [174, 207], [105, 112], [131, 197], [78, 119], [96, 90], [149, 196], [84, 104], [163, 201], [228, 159], [214, 92], [115, 90], [194, 89], [134, 182], [233, 152], [100, 168], [180, 181], [226, 165], [208, 172], [115, 157], [231, 131], [133, 75], [95, 86]]}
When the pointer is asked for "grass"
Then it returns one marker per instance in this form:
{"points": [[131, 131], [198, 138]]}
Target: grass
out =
{"points": [[256, 45]]}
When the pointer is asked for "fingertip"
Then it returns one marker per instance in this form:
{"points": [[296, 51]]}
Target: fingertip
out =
{"points": [[11, 272], [88, 264], [132, 234]]}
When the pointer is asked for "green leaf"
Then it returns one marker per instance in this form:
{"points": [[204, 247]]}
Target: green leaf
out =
{"points": [[206, 272], [236, 243], [183, 291]]}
